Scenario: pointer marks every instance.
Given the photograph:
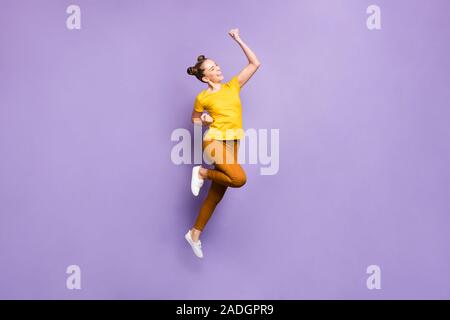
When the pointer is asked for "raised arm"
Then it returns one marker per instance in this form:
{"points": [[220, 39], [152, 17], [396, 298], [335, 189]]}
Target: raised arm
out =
{"points": [[253, 62]]}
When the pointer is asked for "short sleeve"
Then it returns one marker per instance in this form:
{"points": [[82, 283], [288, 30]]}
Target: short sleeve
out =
{"points": [[234, 83], [198, 105]]}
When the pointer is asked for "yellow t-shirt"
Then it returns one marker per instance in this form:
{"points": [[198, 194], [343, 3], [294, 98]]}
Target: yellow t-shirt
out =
{"points": [[224, 106]]}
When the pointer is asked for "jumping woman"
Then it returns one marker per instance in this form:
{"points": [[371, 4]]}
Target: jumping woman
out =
{"points": [[220, 143]]}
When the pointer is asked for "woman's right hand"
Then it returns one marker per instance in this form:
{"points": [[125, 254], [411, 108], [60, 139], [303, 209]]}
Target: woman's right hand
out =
{"points": [[206, 119]]}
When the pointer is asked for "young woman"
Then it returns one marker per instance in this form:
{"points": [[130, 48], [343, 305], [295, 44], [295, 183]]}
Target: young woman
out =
{"points": [[221, 141]]}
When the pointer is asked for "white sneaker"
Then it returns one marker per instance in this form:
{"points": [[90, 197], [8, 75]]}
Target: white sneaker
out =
{"points": [[196, 181], [195, 245]]}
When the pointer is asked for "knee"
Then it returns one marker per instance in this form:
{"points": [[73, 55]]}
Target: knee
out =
{"points": [[239, 181]]}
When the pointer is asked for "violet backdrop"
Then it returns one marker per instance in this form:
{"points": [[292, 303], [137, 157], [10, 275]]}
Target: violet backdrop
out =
{"points": [[86, 176]]}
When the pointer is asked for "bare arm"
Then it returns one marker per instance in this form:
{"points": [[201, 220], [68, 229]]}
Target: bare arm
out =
{"points": [[253, 62]]}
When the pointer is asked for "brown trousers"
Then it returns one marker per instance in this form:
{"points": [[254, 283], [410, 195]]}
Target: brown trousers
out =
{"points": [[227, 172]]}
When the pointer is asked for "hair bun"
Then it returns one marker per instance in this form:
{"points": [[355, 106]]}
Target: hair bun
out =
{"points": [[197, 69], [191, 71]]}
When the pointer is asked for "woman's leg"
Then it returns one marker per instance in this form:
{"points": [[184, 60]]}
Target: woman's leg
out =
{"points": [[224, 155], [226, 174], [215, 194]]}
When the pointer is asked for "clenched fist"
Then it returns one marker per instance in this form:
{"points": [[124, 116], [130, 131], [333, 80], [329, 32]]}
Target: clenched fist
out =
{"points": [[206, 119], [234, 33]]}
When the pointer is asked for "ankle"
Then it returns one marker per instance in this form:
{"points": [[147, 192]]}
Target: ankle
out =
{"points": [[195, 234], [203, 173]]}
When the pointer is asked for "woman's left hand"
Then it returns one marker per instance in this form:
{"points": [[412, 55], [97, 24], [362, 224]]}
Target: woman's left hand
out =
{"points": [[234, 33]]}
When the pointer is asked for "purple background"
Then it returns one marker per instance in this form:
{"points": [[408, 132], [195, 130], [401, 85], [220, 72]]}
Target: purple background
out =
{"points": [[86, 176]]}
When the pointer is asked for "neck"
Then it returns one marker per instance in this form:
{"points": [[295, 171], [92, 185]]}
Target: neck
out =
{"points": [[214, 86]]}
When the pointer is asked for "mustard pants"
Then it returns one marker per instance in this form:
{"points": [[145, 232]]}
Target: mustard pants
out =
{"points": [[227, 172]]}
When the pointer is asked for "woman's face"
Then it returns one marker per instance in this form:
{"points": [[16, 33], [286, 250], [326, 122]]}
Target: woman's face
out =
{"points": [[211, 71]]}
